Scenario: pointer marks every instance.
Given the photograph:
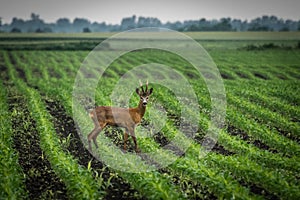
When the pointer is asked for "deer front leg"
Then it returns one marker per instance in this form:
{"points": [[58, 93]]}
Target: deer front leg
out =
{"points": [[125, 139], [134, 140]]}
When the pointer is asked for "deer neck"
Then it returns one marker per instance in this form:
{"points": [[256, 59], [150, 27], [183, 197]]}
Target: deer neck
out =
{"points": [[141, 109]]}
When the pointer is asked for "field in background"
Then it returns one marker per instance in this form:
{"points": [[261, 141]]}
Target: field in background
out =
{"points": [[194, 35], [257, 155]]}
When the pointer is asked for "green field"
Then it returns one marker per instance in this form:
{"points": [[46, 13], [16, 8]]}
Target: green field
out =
{"points": [[257, 155]]}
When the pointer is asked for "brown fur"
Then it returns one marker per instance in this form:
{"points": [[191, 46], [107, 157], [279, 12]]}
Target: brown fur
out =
{"points": [[127, 118]]}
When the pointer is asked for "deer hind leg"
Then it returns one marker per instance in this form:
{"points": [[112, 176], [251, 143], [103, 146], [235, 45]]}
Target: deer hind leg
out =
{"points": [[93, 135], [95, 132]]}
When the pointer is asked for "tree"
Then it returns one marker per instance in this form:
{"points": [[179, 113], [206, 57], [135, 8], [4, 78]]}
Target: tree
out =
{"points": [[45, 30], [236, 24], [80, 23], [99, 27], [193, 27], [148, 22], [86, 30], [34, 17], [128, 23], [18, 24], [15, 30], [34, 23], [63, 25], [223, 25], [263, 23], [62, 22], [39, 30]]}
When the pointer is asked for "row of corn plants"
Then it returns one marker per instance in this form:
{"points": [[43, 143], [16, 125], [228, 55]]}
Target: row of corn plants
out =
{"points": [[172, 131], [238, 142], [150, 184], [226, 139], [263, 133], [272, 103], [265, 116], [11, 176], [257, 130], [270, 156], [245, 169], [214, 180], [219, 185], [283, 91], [79, 181]]}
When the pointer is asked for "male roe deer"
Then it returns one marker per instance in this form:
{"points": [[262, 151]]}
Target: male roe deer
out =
{"points": [[127, 118]]}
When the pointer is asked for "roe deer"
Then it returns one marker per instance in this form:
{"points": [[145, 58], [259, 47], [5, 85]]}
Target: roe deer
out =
{"points": [[127, 118]]}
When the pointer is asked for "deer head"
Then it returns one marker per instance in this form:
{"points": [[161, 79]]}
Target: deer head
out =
{"points": [[144, 94]]}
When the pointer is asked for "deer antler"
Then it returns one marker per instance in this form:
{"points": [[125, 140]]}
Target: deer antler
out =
{"points": [[141, 85], [147, 86]]}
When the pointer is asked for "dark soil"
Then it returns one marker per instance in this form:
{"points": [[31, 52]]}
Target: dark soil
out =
{"points": [[255, 189], [160, 139], [221, 150], [232, 130], [286, 133], [40, 180], [261, 76], [119, 189], [240, 74], [294, 74], [281, 76], [202, 192], [197, 137], [191, 75], [216, 148], [226, 76], [65, 126]]}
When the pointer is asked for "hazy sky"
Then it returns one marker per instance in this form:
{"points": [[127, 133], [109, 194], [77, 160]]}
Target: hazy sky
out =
{"points": [[112, 11]]}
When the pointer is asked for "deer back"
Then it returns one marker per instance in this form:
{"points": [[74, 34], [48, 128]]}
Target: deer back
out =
{"points": [[114, 116]]}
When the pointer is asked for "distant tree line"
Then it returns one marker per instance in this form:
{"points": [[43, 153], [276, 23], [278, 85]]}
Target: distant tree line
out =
{"points": [[64, 25]]}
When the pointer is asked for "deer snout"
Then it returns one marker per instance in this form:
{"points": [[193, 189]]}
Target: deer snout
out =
{"points": [[144, 103], [144, 100]]}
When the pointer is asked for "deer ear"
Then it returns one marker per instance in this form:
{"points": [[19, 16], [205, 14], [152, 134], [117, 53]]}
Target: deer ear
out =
{"points": [[137, 90], [150, 91]]}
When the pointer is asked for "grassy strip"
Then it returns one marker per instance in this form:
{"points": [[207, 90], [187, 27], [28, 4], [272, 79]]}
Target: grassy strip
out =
{"points": [[11, 180], [79, 181]]}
